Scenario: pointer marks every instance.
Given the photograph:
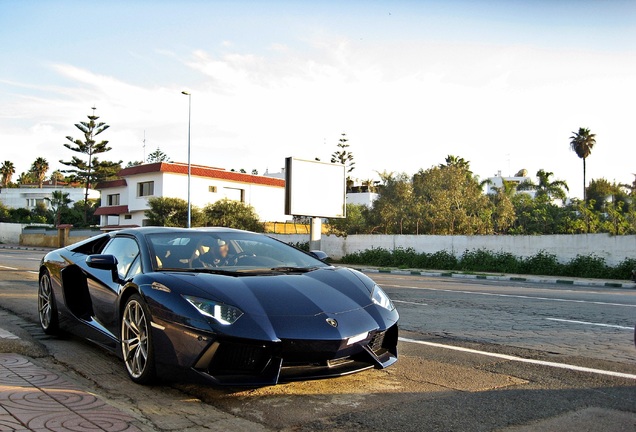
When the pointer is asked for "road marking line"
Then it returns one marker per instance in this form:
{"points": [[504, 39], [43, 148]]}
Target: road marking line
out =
{"points": [[523, 360], [512, 296], [591, 323], [8, 268], [7, 335], [408, 302]]}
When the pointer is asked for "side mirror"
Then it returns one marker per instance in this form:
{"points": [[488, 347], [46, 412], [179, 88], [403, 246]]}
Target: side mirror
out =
{"points": [[319, 254], [104, 262]]}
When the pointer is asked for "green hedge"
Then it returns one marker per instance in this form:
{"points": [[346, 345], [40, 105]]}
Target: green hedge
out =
{"points": [[481, 260]]}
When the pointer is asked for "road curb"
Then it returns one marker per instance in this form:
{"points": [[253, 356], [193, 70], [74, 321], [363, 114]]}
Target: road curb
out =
{"points": [[511, 278]]}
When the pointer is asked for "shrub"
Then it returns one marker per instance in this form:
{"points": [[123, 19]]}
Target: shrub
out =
{"points": [[591, 266], [623, 270], [542, 263]]}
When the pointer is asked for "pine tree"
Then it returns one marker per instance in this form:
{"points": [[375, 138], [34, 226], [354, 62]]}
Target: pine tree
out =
{"points": [[91, 171]]}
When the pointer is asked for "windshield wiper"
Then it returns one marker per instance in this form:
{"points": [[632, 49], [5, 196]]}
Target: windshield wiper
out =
{"points": [[203, 270], [290, 269]]}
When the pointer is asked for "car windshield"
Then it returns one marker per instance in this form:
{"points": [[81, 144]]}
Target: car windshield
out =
{"points": [[231, 251]]}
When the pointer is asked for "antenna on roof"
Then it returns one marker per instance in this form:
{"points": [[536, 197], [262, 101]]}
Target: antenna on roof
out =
{"points": [[144, 146]]}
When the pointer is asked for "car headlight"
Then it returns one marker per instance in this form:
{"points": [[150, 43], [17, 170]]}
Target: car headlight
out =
{"points": [[223, 313], [379, 297]]}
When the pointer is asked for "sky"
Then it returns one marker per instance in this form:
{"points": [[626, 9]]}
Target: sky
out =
{"points": [[502, 84]]}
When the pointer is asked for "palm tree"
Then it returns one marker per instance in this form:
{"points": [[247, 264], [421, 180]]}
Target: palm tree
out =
{"points": [[582, 143], [545, 189], [25, 178], [7, 170], [57, 176], [456, 161], [39, 168], [58, 201]]}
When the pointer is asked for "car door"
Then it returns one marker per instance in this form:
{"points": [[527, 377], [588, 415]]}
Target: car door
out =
{"points": [[104, 290]]}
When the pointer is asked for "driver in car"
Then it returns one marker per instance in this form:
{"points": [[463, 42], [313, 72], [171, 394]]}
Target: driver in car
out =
{"points": [[217, 255]]}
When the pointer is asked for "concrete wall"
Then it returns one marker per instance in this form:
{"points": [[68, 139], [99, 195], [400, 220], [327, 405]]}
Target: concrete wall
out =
{"points": [[29, 235], [614, 249], [10, 232]]}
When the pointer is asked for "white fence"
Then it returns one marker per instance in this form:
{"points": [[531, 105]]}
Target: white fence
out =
{"points": [[10, 232], [614, 249]]}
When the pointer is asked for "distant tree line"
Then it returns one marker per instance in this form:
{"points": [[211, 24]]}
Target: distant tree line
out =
{"points": [[449, 200]]}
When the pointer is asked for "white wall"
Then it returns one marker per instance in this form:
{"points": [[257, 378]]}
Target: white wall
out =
{"points": [[268, 201], [614, 249], [19, 197], [10, 232], [362, 198]]}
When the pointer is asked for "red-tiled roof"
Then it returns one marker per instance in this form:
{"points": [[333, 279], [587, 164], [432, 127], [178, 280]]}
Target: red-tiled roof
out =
{"points": [[200, 171], [111, 210], [111, 184], [116, 227]]}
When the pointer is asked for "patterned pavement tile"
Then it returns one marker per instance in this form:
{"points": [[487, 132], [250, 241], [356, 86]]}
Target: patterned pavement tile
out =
{"points": [[35, 399]]}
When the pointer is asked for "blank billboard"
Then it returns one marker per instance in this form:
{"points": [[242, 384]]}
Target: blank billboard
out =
{"points": [[314, 189]]}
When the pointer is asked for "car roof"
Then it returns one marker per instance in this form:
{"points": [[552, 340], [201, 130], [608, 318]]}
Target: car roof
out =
{"points": [[159, 230]]}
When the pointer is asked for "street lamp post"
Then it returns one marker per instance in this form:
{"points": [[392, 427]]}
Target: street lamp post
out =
{"points": [[189, 165]]}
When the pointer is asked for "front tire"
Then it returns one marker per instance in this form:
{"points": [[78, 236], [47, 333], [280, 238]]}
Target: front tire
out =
{"points": [[136, 341], [47, 308]]}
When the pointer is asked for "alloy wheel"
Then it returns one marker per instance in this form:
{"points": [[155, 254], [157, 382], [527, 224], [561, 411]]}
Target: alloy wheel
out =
{"points": [[135, 342], [46, 305]]}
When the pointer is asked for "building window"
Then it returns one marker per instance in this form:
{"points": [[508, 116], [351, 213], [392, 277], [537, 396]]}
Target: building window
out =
{"points": [[212, 189], [127, 217], [145, 189], [33, 202], [112, 200], [234, 194]]}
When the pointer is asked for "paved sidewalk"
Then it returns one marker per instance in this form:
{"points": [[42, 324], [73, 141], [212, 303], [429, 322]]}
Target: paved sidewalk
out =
{"points": [[35, 399]]}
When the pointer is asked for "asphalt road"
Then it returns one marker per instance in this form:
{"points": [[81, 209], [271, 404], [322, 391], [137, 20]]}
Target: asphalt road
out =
{"points": [[593, 323], [474, 356]]}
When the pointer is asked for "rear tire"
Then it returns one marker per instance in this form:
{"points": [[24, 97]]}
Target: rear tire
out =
{"points": [[136, 341], [47, 308]]}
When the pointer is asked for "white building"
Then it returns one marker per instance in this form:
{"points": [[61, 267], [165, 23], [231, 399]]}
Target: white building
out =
{"points": [[362, 198], [497, 182], [124, 201], [28, 196]]}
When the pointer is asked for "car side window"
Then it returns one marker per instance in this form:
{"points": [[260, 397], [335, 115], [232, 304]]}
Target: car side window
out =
{"points": [[125, 249]]}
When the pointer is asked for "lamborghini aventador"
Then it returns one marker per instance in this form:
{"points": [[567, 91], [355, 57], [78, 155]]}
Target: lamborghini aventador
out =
{"points": [[234, 307]]}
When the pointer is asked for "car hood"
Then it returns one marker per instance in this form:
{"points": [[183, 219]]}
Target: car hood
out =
{"points": [[329, 290], [327, 304]]}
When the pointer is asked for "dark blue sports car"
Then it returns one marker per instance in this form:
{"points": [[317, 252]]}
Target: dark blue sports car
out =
{"points": [[236, 307]]}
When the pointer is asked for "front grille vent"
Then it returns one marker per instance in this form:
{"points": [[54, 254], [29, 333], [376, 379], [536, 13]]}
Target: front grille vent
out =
{"points": [[240, 357], [375, 344]]}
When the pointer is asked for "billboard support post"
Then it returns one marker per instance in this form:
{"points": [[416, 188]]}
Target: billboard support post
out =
{"points": [[314, 233]]}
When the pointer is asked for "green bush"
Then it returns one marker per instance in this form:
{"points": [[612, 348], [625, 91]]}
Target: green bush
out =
{"points": [[482, 260], [623, 270], [591, 266], [542, 263], [443, 260]]}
